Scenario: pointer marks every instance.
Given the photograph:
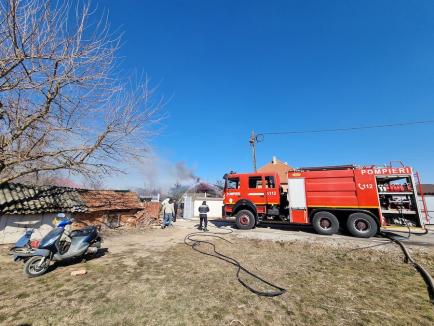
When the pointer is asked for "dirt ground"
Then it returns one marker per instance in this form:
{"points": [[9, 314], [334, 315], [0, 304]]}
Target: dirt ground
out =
{"points": [[151, 277]]}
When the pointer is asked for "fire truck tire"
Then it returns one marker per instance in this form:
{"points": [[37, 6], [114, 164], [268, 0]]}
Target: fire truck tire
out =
{"points": [[325, 223], [245, 220], [362, 225]]}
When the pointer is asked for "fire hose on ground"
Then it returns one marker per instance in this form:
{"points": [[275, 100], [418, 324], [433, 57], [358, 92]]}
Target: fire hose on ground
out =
{"points": [[195, 243], [409, 260]]}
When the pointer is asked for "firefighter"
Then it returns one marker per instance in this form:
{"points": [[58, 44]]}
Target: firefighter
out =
{"points": [[203, 210]]}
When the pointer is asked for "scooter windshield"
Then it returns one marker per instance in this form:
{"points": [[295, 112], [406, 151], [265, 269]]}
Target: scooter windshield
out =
{"points": [[64, 223], [51, 238]]}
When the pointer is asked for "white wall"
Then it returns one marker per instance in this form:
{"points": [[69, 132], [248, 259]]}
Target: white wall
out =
{"points": [[12, 227], [429, 200], [215, 207]]}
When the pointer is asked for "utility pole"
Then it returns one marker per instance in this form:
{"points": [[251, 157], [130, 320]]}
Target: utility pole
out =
{"points": [[252, 142]]}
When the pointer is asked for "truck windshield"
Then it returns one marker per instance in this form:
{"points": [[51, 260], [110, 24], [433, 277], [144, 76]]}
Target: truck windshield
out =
{"points": [[232, 183]]}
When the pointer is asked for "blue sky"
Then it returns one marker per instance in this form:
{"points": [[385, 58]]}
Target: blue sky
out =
{"points": [[233, 66]]}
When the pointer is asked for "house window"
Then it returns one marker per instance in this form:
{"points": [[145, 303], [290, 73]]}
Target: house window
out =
{"points": [[255, 182], [269, 182]]}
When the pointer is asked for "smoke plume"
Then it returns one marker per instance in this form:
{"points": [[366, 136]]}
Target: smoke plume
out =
{"points": [[184, 173]]}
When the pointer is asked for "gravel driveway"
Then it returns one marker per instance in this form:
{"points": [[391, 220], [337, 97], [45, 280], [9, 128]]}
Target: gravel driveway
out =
{"points": [[282, 232]]}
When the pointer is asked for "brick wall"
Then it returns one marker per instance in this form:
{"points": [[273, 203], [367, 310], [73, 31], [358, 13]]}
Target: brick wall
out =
{"points": [[149, 215], [128, 218]]}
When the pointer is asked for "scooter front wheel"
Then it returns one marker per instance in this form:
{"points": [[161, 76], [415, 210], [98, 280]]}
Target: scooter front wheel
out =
{"points": [[36, 266]]}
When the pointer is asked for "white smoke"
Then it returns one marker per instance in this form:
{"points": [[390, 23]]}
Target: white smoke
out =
{"points": [[159, 173], [153, 172]]}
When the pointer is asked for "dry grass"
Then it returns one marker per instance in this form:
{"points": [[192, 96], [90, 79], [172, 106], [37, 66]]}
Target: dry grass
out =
{"points": [[325, 286]]}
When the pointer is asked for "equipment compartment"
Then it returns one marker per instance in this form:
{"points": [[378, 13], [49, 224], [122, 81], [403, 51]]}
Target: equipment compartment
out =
{"points": [[398, 200]]}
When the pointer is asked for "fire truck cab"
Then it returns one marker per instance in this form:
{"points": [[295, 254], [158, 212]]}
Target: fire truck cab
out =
{"points": [[358, 199]]}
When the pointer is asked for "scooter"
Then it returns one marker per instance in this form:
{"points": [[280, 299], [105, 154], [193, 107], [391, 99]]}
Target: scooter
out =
{"points": [[23, 247], [53, 248]]}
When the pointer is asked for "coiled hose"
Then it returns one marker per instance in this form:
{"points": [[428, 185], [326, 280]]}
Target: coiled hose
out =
{"points": [[193, 241]]}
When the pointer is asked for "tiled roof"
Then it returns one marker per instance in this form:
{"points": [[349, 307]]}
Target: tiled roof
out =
{"points": [[25, 199], [279, 167], [106, 200], [29, 199]]}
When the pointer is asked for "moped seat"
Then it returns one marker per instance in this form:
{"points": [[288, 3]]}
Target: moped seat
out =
{"points": [[84, 231]]}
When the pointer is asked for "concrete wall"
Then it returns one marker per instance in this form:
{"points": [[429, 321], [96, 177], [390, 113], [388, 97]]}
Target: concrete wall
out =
{"points": [[215, 207], [192, 203], [12, 227], [429, 200]]}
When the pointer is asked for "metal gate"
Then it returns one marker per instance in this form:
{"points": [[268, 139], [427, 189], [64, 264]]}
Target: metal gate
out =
{"points": [[188, 207]]}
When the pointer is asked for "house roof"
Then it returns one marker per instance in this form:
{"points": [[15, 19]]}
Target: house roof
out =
{"points": [[106, 200], [279, 167], [28, 199], [204, 187], [428, 189]]}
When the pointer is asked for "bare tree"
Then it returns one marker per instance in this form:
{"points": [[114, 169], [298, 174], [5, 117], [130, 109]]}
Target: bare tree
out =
{"points": [[95, 183], [62, 103], [177, 190], [219, 184], [56, 178]]}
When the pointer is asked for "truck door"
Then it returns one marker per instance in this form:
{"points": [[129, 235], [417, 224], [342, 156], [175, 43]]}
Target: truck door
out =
{"points": [[256, 190], [297, 201], [272, 194], [232, 190]]}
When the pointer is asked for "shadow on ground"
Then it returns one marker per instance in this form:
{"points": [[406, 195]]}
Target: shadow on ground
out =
{"points": [[266, 225]]}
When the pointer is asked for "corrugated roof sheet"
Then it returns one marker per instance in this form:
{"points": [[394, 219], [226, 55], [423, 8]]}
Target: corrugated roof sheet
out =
{"points": [[28, 199]]}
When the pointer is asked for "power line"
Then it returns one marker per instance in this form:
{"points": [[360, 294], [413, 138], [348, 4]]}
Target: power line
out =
{"points": [[257, 138], [391, 125]]}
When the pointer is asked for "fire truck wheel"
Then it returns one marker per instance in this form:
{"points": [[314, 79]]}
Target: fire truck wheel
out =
{"points": [[361, 225], [325, 223], [245, 220]]}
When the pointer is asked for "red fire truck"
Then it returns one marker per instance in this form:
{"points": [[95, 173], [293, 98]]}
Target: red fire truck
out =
{"points": [[358, 199]]}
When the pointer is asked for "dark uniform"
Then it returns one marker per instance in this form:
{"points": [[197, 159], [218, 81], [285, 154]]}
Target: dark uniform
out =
{"points": [[203, 214]]}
